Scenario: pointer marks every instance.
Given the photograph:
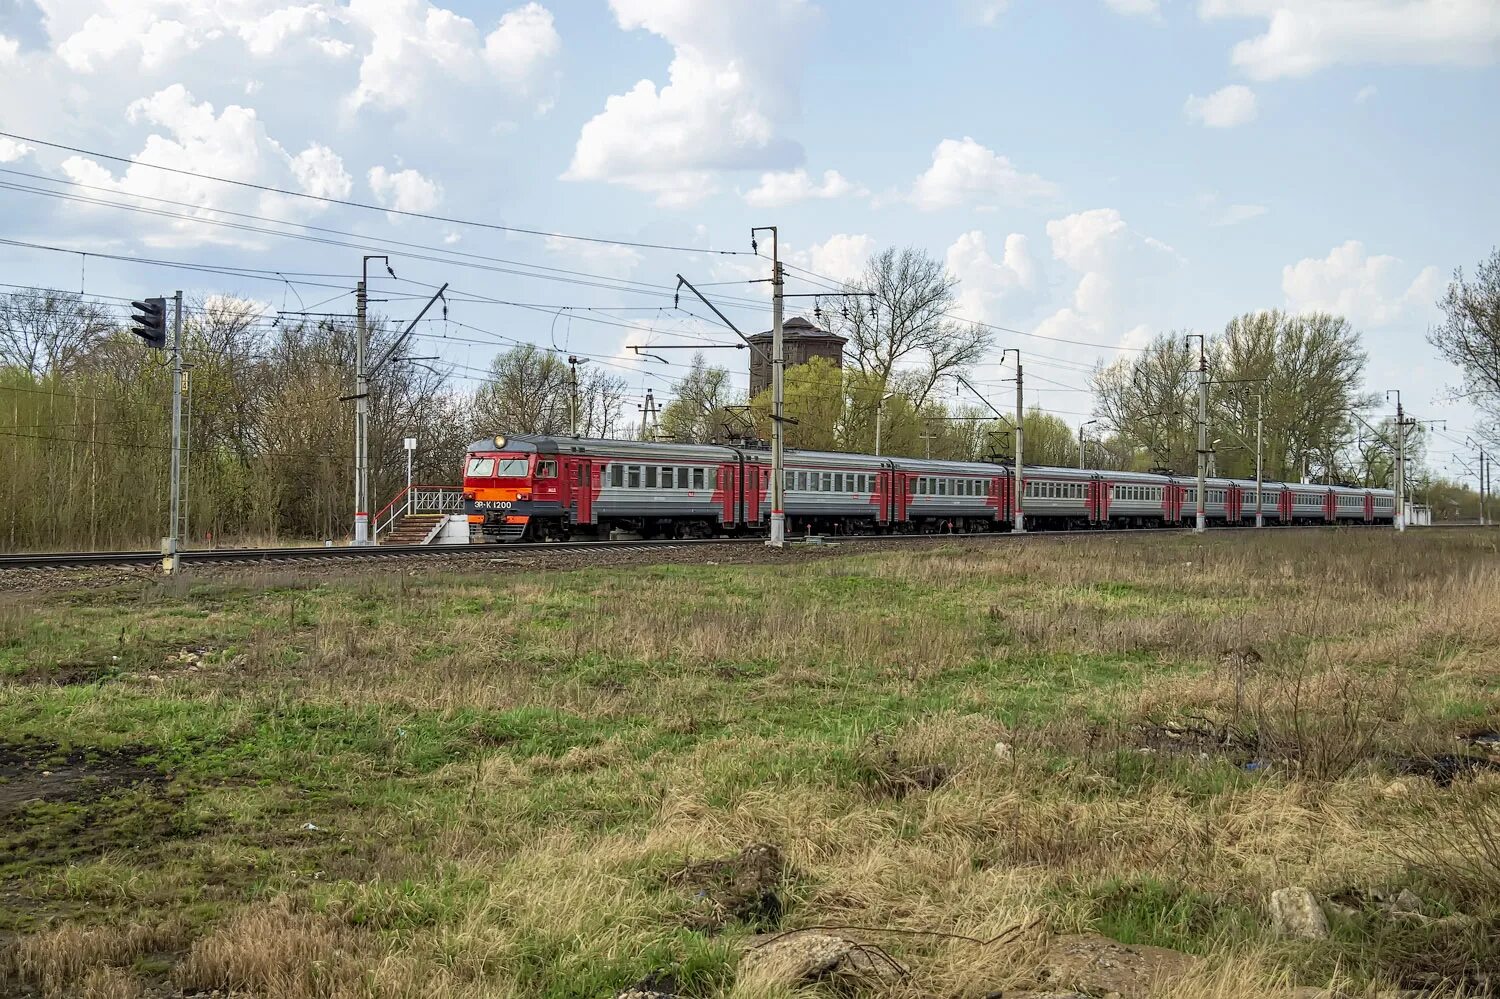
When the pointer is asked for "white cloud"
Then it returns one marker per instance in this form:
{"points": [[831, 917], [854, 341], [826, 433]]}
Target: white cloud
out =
{"points": [[597, 258], [1365, 93], [965, 173], [787, 187], [1138, 8], [266, 35], [841, 257], [11, 150], [987, 12], [732, 87], [404, 190], [523, 43], [1235, 214], [414, 44], [9, 47], [320, 172], [233, 144], [982, 280], [1225, 108], [1121, 274], [151, 34], [1366, 290], [1304, 36]]}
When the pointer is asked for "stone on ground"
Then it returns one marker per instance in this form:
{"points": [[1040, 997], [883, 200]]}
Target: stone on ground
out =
{"points": [[1099, 966], [1295, 913]]}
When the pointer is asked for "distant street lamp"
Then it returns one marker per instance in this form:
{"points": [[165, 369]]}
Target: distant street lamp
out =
{"points": [[879, 409]]}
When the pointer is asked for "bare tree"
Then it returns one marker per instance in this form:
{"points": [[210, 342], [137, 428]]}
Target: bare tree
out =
{"points": [[49, 332], [1469, 336], [1148, 400], [909, 336], [528, 393], [601, 401], [698, 412]]}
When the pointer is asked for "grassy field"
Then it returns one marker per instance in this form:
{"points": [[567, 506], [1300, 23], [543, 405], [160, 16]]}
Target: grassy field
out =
{"points": [[528, 784]]}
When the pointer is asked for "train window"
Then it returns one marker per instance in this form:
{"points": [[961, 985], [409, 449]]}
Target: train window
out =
{"points": [[697, 478], [942, 485], [825, 482], [651, 476], [682, 478], [634, 471], [838, 482], [546, 469], [802, 481], [617, 475]]}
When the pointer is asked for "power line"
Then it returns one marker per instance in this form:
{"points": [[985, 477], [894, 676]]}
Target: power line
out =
{"points": [[453, 257], [635, 244]]}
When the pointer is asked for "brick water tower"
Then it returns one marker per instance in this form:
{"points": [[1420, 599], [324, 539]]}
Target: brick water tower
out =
{"points": [[801, 341]]}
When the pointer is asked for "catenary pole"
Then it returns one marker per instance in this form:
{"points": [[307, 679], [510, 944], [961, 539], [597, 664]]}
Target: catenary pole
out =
{"points": [[1019, 526], [1400, 518], [172, 558], [1201, 522], [361, 414], [1260, 427]]}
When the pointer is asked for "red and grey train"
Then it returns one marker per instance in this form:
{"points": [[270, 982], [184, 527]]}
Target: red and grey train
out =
{"points": [[528, 487]]}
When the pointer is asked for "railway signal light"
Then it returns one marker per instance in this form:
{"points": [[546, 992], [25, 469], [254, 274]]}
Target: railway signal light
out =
{"points": [[150, 318]]}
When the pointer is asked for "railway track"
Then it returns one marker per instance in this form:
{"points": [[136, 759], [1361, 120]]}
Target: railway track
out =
{"points": [[347, 555]]}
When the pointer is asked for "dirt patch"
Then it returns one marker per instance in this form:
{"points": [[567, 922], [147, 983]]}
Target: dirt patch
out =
{"points": [[39, 772], [70, 673], [58, 804], [744, 889], [889, 772]]}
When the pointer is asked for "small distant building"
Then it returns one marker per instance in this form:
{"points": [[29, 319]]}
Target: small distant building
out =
{"points": [[801, 341]]}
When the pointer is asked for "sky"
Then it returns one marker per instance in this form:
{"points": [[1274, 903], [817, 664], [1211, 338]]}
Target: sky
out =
{"points": [[1093, 172]]}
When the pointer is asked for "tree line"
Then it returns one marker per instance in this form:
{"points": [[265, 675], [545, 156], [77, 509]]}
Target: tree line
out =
{"points": [[269, 451]]}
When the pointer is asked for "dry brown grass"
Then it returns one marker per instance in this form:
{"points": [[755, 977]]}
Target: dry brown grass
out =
{"points": [[510, 768]]}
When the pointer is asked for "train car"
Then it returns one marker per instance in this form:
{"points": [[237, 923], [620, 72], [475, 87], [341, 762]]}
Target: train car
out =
{"points": [[1140, 499], [545, 488], [835, 493], [539, 487], [949, 495]]}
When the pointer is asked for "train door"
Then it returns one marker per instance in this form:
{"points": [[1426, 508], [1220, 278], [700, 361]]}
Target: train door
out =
{"points": [[1284, 505], [729, 492], [1234, 499], [1330, 506], [1171, 502], [750, 490], [582, 480], [1369, 507], [1096, 500], [895, 483]]}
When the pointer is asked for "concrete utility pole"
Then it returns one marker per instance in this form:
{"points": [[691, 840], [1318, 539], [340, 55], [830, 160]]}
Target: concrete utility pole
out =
{"points": [[1019, 525], [778, 392], [362, 401], [573, 363], [172, 559], [1202, 522], [1400, 518], [1081, 427], [1260, 427], [648, 416]]}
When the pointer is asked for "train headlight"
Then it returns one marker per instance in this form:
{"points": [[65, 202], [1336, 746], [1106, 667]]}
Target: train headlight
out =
{"points": [[499, 443]]}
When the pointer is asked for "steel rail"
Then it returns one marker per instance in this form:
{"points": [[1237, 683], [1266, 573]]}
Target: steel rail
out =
{"points": [[228, 556]]}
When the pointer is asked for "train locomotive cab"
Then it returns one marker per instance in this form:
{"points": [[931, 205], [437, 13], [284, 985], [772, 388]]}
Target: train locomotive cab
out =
{"points": [[511, 493]]}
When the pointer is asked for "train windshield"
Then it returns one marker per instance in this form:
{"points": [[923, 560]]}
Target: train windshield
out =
{"points": [[489, 468]]}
